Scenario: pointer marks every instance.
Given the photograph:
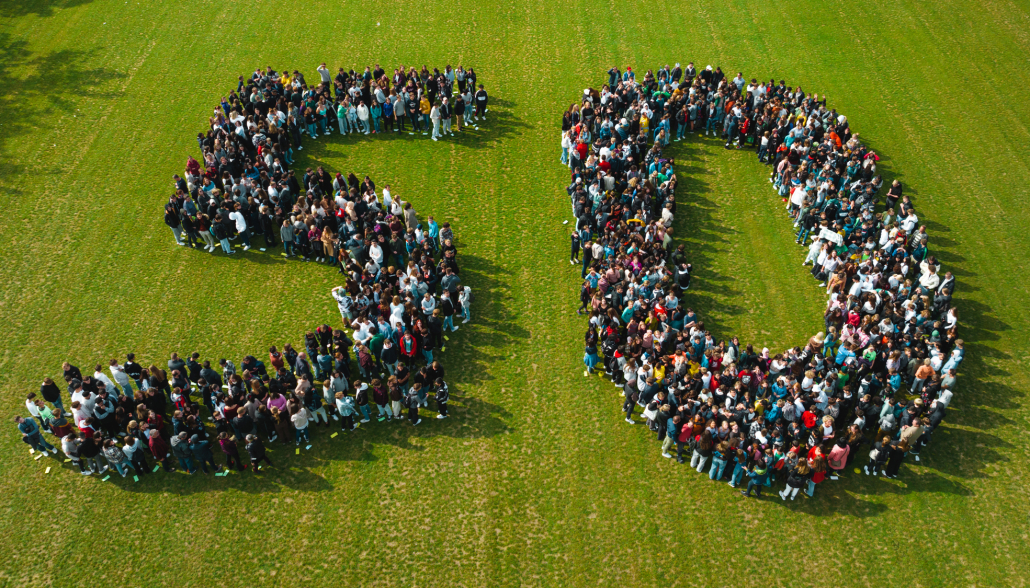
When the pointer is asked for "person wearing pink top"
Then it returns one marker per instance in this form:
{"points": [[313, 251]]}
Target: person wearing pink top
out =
{"points": [[838, 457]]}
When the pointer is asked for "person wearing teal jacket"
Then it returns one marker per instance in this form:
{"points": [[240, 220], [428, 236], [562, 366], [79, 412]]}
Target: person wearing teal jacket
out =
{"points": [[30, 434], [758, 475]]}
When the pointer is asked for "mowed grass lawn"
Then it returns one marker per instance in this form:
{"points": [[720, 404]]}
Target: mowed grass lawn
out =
{"points": [[537, 480]]}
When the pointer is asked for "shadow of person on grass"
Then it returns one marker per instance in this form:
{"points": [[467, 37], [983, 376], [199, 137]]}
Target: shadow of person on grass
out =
{"points": [[471, 418]]}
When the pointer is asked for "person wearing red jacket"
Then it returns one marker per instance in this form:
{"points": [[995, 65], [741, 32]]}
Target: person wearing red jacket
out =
{"points": [[159, 449], [409, 348]]}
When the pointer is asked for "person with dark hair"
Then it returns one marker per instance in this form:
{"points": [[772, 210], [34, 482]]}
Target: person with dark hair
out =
{"points": [[443, 396], [231, 452], [256, 450], [201, 450]]}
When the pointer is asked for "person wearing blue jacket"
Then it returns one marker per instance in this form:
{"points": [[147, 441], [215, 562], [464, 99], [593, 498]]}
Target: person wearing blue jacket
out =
{"points": [[30, 434], [757, 478]]}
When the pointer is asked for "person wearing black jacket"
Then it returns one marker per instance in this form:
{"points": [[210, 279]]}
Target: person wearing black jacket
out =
{"points": [[878, 456], [174, 222], [480, 99], [797, 479], [51, 393], [256, 450], [218, 228], [443, 395]]}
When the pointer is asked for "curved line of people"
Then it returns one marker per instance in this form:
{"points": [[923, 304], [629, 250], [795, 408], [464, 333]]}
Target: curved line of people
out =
{"points": [[884, 369], [135, 415], [401, 296], [245, 185]]}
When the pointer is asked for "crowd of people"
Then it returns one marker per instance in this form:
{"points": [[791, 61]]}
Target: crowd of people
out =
{"points": [[245, 184], [872, 386], [124, 415], [401, 295]]}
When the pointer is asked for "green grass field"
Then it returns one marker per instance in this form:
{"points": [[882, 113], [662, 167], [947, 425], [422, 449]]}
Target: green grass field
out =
{"points": [[537, 481]]}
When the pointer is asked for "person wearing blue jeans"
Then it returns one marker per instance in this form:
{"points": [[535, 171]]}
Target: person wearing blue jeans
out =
{"points": [[31, 435], [719, 459], [116, 457], [758, 478], [738, 469]]}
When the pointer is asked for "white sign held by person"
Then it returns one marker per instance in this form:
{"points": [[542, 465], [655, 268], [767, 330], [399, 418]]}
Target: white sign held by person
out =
{"points": [[831, 236]]}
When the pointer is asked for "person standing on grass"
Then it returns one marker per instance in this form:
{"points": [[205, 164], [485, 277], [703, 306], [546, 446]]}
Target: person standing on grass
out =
{"points": [[443, 396], [70, 444], [241, 225], [181, 450], [797, 479], [159, 449], [231, 452], [300, 417], [411, 402], [174, 223], [434, 115], [116, 457], [135, 452], [31, 435], [347, 409], [51, 393], [201, 450], [758, 475], [481, 102], [256, 450], [838, 457], [895, 456]]}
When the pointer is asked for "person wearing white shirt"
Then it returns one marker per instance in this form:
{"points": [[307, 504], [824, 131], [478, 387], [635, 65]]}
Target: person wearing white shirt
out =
{"points": [[363, 117], [434, 115], [102, 377], [362, 330], [376, 253], [909, 223], [241, 225], [123, 380], [428, 304]]}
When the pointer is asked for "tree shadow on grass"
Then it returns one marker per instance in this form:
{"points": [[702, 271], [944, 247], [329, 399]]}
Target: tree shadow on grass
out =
{"points": [[40, 8], [41, 86]]}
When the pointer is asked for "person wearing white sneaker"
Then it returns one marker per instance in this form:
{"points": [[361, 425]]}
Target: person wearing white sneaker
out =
{"points": [[443, 395], [435, 116], [241, 225], [481, 100], [31, 435], [465, 299], [797, 479], [877, 456], [411, 402], [445, 117]]}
